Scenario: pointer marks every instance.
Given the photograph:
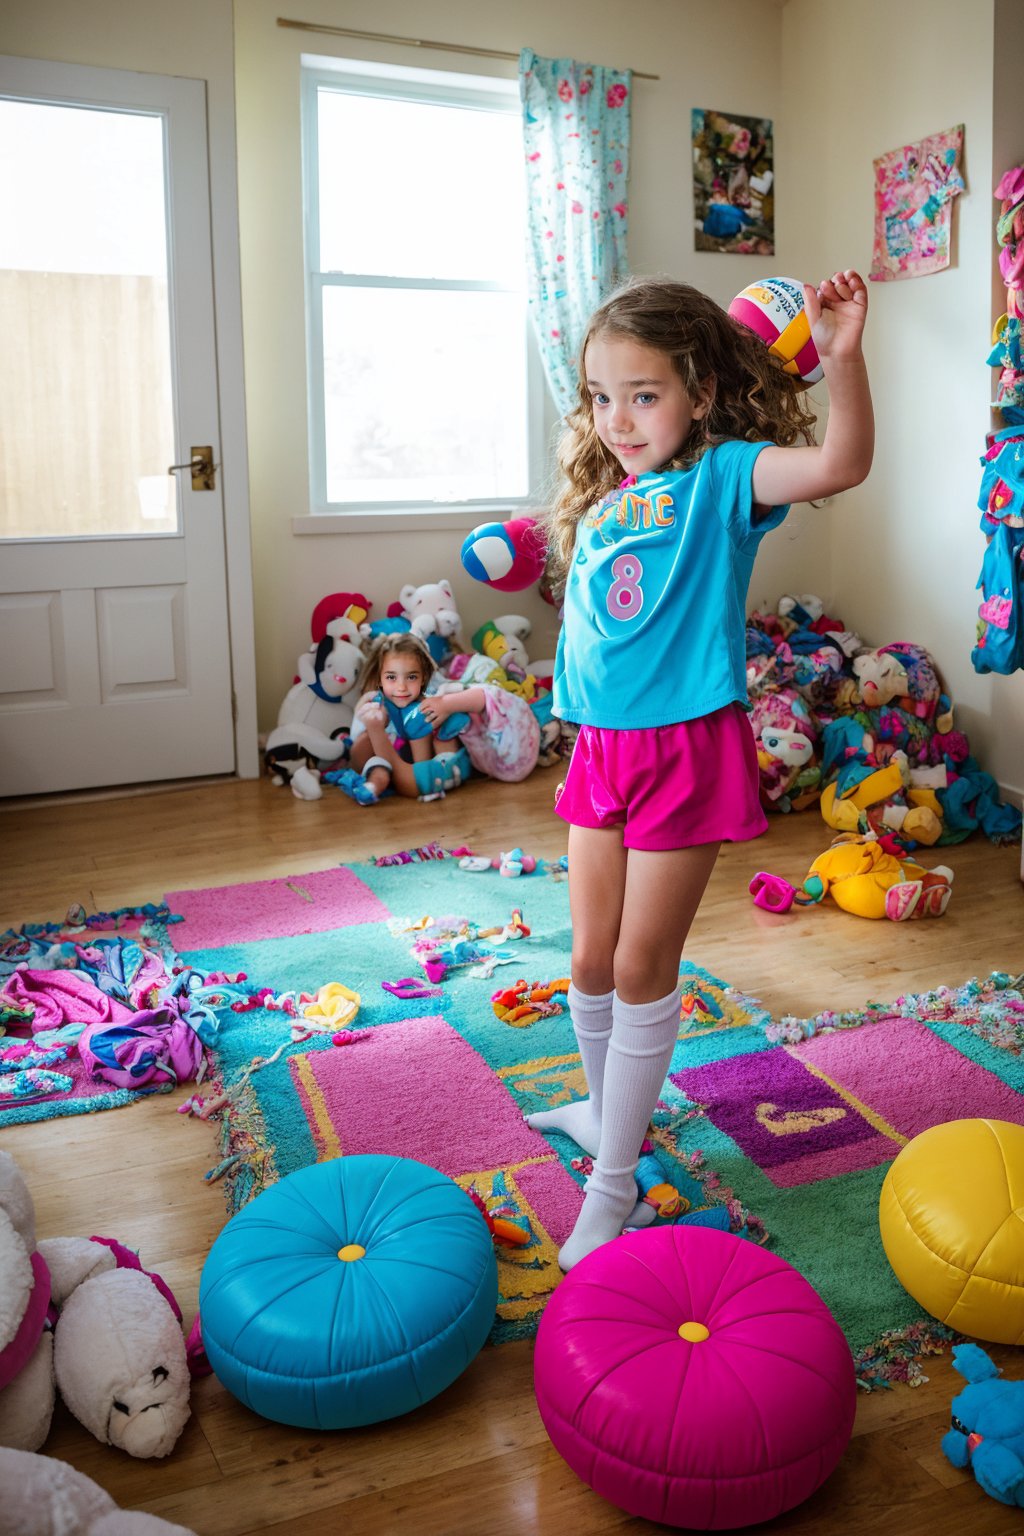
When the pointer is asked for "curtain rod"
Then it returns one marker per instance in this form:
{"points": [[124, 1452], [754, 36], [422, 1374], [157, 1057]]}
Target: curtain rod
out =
{"points": [[417, 42]]}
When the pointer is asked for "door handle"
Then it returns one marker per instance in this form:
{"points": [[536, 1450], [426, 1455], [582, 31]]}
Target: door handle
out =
{"points": [[204, 470]]}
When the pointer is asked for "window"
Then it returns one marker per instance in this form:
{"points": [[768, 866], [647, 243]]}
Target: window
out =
{"points": [[421, 368]]}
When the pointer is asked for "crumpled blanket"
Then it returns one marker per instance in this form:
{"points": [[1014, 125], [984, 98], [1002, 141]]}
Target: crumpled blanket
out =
{"points": [[57, 998], [504, 739], [152, 1047]]}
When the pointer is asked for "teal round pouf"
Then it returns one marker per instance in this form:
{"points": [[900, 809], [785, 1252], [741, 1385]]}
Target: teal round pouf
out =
{"points": [[349, 1292]]}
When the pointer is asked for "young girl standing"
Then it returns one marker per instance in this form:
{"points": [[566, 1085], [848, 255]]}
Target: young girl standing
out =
{"points": [[651, 664]]}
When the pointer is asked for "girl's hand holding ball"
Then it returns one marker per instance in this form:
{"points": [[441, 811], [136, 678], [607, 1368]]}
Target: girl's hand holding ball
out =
{"points": [[837, 309]]}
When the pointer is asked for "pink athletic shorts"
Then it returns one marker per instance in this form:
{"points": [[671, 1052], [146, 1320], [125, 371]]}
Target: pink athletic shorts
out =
{"points": [[667, 786]]}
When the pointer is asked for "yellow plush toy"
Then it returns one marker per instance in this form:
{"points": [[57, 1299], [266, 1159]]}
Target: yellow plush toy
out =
{"points": [[920, 818], [864, 878]]}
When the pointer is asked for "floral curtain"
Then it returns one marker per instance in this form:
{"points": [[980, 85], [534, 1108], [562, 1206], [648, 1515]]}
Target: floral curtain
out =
{"points": [[576, 142]]}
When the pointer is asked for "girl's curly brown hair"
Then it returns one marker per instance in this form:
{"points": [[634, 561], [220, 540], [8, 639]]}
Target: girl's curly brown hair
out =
{"points": [[752, 398]]}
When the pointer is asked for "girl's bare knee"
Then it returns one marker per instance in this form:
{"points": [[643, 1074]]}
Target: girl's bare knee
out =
{"points": [[643, 976], [592, 968]]}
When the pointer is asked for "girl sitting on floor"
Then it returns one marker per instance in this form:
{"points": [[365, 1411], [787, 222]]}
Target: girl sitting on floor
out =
{"points": [[398, 723]]}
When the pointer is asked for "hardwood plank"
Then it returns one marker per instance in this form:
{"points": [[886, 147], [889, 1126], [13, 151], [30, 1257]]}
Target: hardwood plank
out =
{"points": [[476, 1460]]}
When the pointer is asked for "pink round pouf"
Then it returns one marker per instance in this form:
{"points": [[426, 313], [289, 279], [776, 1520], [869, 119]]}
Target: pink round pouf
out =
{"points": [[690, 1377]]}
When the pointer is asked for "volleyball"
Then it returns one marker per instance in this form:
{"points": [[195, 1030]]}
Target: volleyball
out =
{"points": [[507, 556], [773, 308]]}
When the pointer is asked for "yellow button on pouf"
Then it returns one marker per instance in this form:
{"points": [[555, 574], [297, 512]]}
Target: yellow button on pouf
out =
{"points": [[349, 1252], [693, 1333], [952, 1220]]}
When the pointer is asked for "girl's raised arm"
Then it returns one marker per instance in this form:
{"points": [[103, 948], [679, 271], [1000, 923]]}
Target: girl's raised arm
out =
{"points": [[837, 310]]}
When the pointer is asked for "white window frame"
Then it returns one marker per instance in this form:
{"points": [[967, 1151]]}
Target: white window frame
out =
{"points": [[405, 84]]}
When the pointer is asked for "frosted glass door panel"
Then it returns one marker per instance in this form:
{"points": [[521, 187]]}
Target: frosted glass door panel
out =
{"points": [[86, 397]]}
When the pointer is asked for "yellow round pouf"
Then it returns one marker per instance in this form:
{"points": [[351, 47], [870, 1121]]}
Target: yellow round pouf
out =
{"points": [[952, 1219]]}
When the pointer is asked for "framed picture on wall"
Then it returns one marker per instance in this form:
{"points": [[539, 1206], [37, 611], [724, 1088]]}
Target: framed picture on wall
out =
{"points": [[733, 183]]}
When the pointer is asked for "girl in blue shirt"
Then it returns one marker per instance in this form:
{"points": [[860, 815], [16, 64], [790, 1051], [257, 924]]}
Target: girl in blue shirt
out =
{"points": [[714, 442]]}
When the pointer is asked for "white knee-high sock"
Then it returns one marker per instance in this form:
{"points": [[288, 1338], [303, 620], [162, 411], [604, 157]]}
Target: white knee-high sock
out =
{"points": [[592, 1021], [639, 1052]]}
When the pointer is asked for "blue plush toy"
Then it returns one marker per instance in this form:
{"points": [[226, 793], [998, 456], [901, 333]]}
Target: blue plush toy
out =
{"points": [[988, 1426]]}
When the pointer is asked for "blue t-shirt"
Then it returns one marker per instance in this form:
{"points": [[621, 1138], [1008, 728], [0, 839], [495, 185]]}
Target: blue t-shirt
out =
{"points": [[654, 628]]}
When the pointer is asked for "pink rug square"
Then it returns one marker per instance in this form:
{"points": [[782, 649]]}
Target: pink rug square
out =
{"points": [[272, 909], [416, 1089]]}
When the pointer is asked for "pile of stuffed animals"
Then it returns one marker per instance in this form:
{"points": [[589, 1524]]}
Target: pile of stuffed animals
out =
{"points": [[311, 734], [868, 736], [866, 733], [81, 1318]]}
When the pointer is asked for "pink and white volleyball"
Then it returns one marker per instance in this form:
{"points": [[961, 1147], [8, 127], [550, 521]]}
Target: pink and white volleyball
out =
{"points": [[773, 308]]}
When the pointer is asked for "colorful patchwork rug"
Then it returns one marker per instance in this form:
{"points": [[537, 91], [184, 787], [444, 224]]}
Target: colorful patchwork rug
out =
{"points": [[781, 1130]]}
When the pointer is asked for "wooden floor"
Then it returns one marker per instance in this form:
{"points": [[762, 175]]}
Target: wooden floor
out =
{"points": [[477, 1459]]}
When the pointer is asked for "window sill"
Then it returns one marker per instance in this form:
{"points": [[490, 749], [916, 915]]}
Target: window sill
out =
{"points": [[407, 520]]}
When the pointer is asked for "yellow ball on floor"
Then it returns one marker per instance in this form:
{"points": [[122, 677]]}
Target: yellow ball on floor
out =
{"points": [[952, 1219]]}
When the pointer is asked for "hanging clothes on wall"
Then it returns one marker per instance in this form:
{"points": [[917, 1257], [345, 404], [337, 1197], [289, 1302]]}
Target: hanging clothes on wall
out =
{"points": [[1000, 642]]}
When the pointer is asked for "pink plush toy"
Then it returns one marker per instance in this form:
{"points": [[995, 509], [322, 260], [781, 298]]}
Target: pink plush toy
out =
{"points": [[430, 609]]}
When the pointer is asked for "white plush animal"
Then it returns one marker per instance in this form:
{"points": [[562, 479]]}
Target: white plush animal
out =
{"points": [[516, 628], [116, 1353], [44, 1497], [317, 711], [430, 609], [120, 1363]]}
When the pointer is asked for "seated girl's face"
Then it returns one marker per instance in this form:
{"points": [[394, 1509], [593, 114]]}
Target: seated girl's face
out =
{"points": [[401, 678]]}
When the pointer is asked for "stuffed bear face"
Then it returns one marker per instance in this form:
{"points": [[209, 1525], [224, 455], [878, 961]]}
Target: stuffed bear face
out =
{"points": [[882, 677], [430, 608], [516, 629], [335, 664], [899, 671]]}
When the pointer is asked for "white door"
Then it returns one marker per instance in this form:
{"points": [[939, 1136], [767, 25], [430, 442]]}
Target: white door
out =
{"points": [[114, 659]]}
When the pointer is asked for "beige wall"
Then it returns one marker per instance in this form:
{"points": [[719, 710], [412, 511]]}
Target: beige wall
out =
{"points": [[906, 547], [689, 44]]}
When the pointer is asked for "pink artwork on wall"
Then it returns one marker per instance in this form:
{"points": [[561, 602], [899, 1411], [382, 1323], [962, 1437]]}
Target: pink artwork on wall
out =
{"points": [[914, 191]]}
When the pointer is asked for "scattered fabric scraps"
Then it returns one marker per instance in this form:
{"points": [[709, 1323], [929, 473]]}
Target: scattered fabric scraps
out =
{"points": [[527, 1001]]}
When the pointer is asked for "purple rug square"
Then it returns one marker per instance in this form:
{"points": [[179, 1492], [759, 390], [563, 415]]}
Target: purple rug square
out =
{"points": [[773, 1108], [272, 909]]}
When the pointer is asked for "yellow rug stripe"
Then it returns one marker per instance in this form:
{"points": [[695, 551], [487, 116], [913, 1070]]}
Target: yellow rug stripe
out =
{"points": [[870, 1115]]}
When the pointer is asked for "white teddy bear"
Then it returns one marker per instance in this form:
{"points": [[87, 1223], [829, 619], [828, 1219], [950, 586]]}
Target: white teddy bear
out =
{"points": [[115, 1353], [317, 710], [430, 609]]}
